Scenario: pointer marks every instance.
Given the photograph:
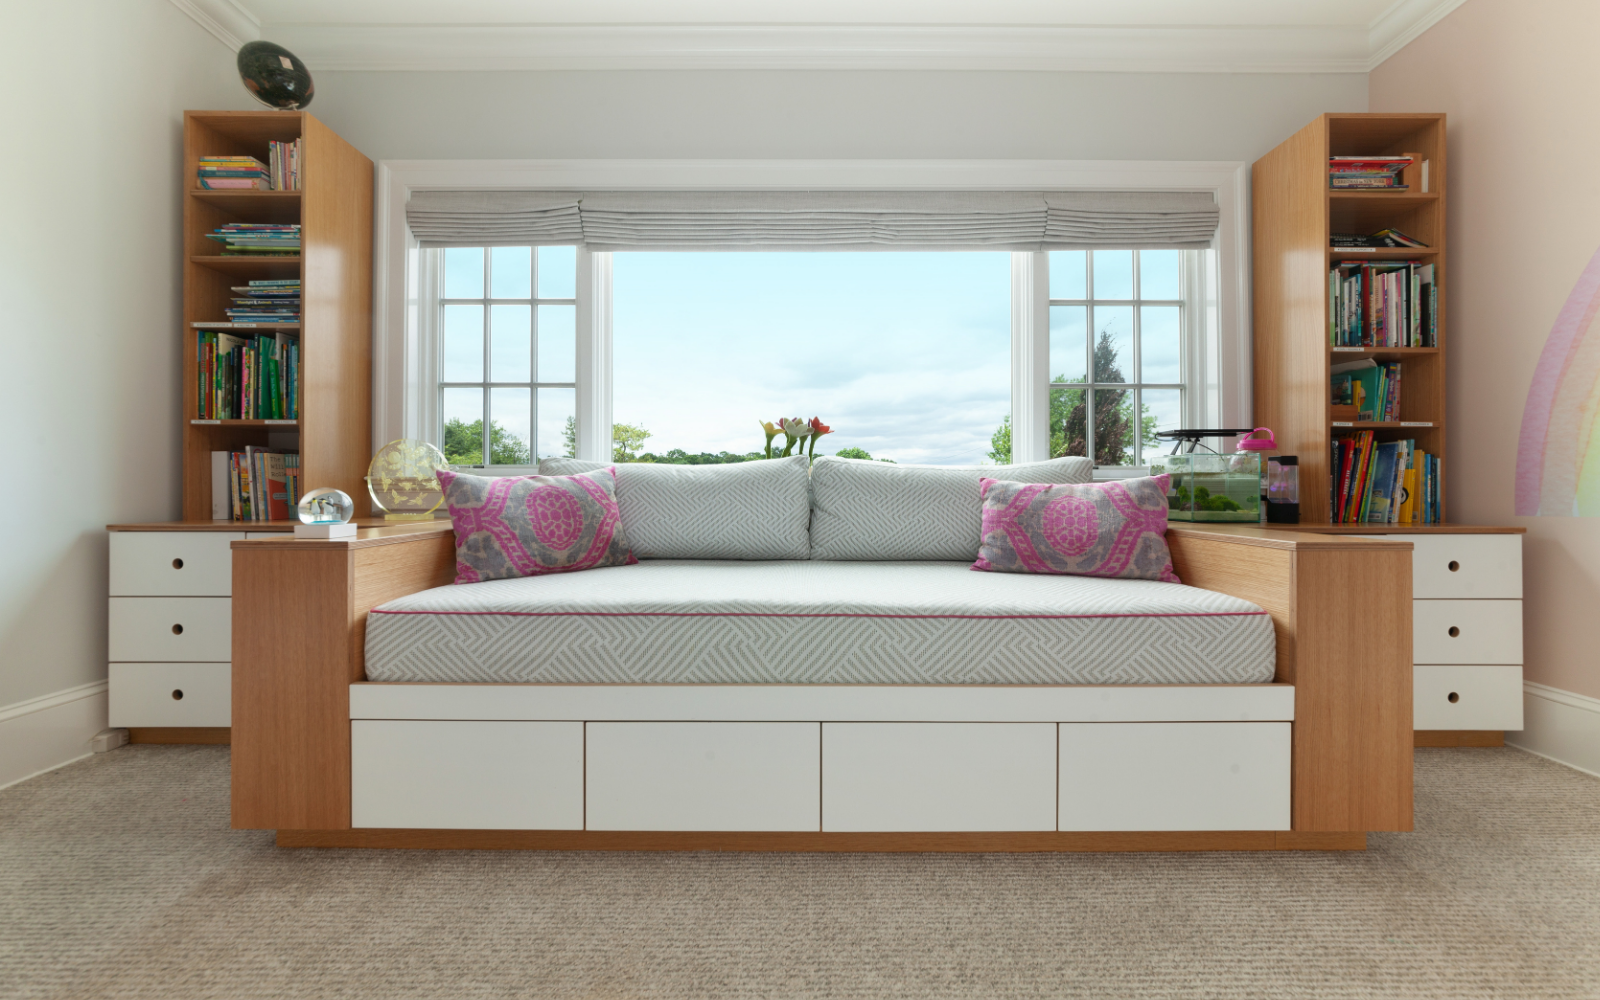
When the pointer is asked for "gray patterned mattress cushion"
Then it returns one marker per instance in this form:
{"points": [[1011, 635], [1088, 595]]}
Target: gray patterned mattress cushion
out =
{"points": [[809, 622], [876, 510]]}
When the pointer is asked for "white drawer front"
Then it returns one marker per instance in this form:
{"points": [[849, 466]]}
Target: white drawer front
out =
{"points": [[166, 629], [939, 776], [1466, 632], [1472, 566], [172, 563], [171, 694], [415, 775], [1175, 776], [1472, 697], [703, 775]]}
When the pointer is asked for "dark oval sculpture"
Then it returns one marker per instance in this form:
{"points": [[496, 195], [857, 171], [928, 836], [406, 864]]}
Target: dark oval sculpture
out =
{"points": [[274, 76]]}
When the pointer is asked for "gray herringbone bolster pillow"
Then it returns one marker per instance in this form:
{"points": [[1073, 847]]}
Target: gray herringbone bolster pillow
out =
{"points": [[875, 510], [744, 510]]}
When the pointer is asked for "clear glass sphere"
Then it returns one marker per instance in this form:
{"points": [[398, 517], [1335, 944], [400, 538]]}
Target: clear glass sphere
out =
{"points": [[326, 506]]}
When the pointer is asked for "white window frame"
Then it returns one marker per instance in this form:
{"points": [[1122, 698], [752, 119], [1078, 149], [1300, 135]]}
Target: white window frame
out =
{"points": [[404, 375]]}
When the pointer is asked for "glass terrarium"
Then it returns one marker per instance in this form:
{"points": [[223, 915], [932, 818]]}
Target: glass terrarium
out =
{"points": [[1211, 487]]}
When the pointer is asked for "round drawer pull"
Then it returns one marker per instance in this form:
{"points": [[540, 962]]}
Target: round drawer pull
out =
{"points": [[1454, 566], [1454, 697], [178, 564], [177, 694], [177, 630], [1454, 631]]}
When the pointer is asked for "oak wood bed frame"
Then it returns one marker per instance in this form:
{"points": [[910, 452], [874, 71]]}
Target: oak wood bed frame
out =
{"points": [[1341, 607]]}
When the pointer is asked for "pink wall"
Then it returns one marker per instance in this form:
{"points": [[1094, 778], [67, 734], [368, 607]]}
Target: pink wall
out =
{"points": [[1518, 79]]}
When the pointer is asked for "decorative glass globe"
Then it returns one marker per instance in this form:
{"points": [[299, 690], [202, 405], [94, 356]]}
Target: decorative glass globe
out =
{"points": [[402, 480], [326, 506], [275, 76]]}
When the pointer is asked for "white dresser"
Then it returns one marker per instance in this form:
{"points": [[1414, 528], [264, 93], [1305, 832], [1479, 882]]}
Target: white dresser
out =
{"points": [[170, 636], [1466, 617]]}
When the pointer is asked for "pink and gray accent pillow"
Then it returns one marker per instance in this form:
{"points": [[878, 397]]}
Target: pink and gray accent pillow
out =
{"points": [[1116, 529], [531, 525]]}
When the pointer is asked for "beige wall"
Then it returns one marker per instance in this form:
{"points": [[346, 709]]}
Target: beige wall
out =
{"points": [[1518, 80]]}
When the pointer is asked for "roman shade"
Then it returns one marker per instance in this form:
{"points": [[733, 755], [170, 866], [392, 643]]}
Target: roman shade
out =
{"points": [[815, 220]]}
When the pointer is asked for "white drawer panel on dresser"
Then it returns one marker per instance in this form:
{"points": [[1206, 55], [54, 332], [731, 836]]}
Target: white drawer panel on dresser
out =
{"points": [[938, 776], [1466, 632], [1466, 697], [703, 775], [1472, 566], [172, 563], [171, 694], [169, 629]]}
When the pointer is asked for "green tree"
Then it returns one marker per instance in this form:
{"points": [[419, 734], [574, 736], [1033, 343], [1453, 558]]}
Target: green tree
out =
{"points": [[861, 453], [626, 440], [463, 444], [1113, 423]]}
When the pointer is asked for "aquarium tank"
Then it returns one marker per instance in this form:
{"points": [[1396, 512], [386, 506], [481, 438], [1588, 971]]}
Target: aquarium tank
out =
{"points": [[1211, 487]]}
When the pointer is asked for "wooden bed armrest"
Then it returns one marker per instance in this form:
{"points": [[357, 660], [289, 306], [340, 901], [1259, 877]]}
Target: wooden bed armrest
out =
{"points": [[299, 631], [1341, 608]]}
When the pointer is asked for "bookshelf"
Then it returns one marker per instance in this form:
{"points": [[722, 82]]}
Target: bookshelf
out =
{"points": [[334, 209], [1294, 215]]}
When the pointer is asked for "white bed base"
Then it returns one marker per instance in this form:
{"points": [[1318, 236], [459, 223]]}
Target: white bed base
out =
{"points": [[829, 758]]}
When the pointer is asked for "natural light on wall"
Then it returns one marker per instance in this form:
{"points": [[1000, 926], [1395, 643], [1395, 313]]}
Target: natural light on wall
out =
{"points": [[907, 356]]}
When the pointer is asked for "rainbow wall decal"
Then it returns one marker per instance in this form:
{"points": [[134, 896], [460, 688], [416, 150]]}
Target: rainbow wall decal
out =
{"points": [[1558, 454]]}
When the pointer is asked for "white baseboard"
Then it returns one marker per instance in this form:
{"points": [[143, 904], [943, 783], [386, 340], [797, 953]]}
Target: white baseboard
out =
{"points": [[44, 733], [1560, 725]]}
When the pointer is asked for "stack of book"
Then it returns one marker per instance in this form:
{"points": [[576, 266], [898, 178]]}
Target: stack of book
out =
{"points": [[1383, 304], [1380, 240], [257, 239], [1373, 389], [257, 484], [219, 173], [1388, 482], [1367, 172], [248, 378], [284, 158], [273, 301]]}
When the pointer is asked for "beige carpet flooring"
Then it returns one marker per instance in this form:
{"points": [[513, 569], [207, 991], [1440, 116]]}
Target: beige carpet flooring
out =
{"points": [[119, 877]]}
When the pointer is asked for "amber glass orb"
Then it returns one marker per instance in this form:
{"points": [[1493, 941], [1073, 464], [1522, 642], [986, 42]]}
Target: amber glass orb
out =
{"points": [[402, 480]]}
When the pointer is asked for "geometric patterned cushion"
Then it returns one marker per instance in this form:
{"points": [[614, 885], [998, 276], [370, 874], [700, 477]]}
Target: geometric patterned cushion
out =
{"points": [[1115, 529], [517, 526], [866, 511], [742, 510]]}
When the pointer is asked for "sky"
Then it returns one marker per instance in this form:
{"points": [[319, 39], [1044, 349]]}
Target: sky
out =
{"points": [[905, 355]]}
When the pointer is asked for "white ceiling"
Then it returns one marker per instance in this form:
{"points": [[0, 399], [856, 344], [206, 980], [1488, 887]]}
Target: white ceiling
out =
{"points": [[1099, 35]]}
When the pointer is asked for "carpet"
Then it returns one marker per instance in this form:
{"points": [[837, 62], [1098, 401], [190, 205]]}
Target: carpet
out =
{"points": [[119, 877]]}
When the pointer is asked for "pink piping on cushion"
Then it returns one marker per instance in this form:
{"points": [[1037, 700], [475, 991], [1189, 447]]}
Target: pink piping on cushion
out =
{"points": [[776, 614]]}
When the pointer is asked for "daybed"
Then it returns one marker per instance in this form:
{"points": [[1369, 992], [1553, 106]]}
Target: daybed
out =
{"points": [[811, 663]]}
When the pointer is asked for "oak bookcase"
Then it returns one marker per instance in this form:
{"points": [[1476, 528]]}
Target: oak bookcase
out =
{"points": [[334, 208]]}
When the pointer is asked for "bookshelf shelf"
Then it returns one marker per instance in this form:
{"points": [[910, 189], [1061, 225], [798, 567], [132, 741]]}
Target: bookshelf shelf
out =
{"points": [[1295, 214], [333, 435]]}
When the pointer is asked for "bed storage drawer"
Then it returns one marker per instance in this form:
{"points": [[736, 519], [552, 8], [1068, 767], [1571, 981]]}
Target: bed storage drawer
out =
{"points": [[1467, 632], [1472, 697], [703, 775], [938, 776], [1174, 776], [416, 774], [172, 563], [167, 629], [171, 694]]}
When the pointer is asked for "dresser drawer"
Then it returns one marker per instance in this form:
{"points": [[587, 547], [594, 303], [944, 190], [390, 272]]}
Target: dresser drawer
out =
{"points": [[172, 563], [171, 629], [1466, 632], [171, 694], [1472, 697], [938, 776], [1474, 566]]}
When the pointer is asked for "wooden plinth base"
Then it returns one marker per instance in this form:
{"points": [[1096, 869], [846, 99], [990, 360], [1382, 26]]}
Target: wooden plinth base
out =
{"points": [[1458, 738], [601, 840], [181, 734]]}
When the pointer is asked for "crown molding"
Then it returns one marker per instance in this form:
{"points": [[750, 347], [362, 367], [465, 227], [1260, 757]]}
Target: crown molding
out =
{"points": [[1398, 26], [230, 23], [1054, 48]]}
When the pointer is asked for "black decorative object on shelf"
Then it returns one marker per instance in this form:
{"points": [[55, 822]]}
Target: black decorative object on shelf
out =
{"points": [[275, 77]]}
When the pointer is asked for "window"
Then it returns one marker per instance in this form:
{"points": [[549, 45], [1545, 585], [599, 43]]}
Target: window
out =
{"points": [[906, 355], [507, 366], [1117, 350]]}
